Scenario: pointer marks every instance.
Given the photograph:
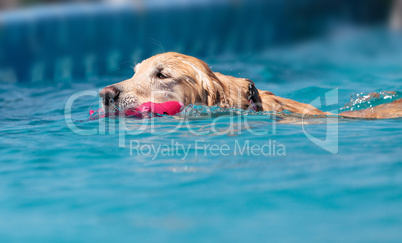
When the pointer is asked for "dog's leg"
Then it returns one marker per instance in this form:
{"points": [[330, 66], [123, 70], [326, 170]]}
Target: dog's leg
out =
{"points": [[383, 111], [271, 102]]}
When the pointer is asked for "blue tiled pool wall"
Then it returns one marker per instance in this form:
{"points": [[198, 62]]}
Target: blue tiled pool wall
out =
{"points": [[70, 42]]}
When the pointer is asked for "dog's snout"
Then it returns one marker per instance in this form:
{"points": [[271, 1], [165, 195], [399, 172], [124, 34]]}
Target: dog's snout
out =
{"points": [[109, 94]]}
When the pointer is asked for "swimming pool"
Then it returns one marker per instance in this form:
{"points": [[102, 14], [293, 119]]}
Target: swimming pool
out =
{"points": [[59, 185]]}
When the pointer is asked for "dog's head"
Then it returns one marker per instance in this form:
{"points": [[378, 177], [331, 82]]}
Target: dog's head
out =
{"points": [[177, 77]]}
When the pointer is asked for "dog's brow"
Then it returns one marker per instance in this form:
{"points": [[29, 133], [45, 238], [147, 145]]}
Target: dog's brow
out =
{"points": [[160, 66]]}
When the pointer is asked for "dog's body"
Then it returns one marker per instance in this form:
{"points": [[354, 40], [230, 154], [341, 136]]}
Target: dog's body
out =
{"points": [[173, 76]]}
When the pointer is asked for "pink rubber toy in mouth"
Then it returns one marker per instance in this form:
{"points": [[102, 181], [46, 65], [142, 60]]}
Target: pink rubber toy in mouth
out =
{"points": [[169, 108]]}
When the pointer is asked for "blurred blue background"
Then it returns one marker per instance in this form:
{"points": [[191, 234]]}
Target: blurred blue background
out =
{"points": [[65, 40]]}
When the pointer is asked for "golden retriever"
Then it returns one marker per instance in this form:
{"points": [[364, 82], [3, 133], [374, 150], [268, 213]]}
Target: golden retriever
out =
{"points": [[173, 76]]}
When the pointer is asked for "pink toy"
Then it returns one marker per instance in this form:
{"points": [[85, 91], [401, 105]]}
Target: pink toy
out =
{"points": [[169, 108]]}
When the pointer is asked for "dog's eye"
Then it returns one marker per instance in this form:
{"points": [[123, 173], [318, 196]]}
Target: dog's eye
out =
{"points": [[161, 75]]}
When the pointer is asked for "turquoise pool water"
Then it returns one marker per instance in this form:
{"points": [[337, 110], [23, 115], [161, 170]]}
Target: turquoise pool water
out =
{"points": [[58, 185]]}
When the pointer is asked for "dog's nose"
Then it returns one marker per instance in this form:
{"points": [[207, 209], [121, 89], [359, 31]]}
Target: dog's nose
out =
{"points": [[109, 94]]}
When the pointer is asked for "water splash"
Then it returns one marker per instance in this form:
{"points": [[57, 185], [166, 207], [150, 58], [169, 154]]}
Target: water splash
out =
{"points": [[361, 101], [201, 111]]}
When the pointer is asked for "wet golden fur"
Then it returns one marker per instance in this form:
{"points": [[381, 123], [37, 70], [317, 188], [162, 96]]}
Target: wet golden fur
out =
{"points": [[174, 76]]}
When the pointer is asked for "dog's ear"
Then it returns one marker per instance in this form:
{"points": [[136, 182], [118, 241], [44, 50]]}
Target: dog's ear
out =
{"points": [[211, 87], [214, 92], [221, 90]]}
